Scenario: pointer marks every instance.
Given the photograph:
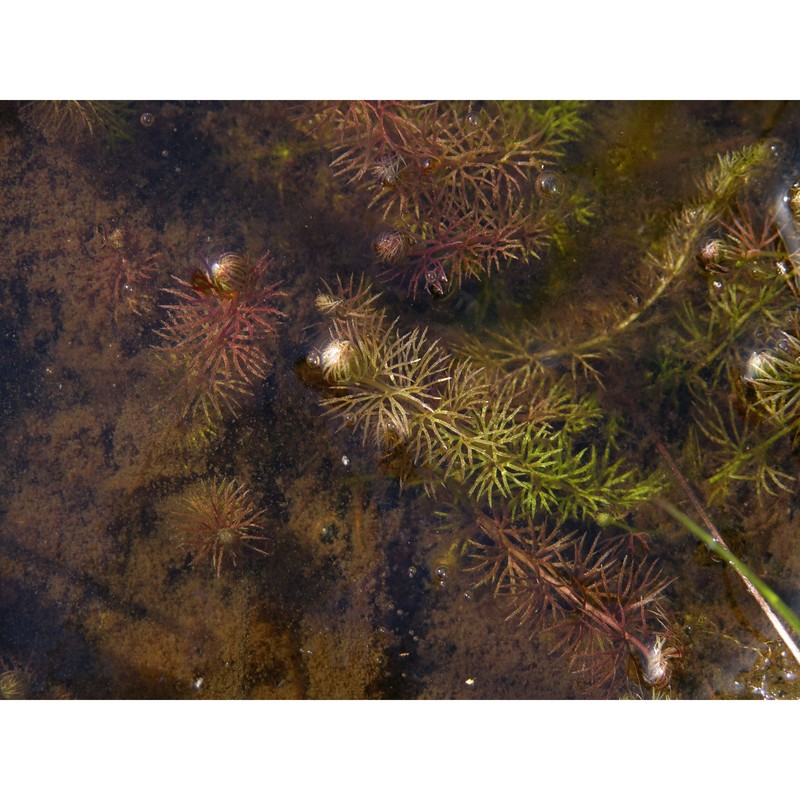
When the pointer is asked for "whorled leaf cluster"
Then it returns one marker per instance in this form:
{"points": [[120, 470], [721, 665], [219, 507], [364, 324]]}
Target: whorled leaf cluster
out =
{"points": [[75, 119], [406, 391], [508, 457], [724, 282], [463, 189], [737, 350], [215, 335], [600, 603], [218, 521], [593, 331], [506, 423]]}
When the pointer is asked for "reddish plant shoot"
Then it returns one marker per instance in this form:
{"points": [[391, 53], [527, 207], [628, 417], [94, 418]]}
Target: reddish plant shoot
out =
{"points": [[216, 330]]}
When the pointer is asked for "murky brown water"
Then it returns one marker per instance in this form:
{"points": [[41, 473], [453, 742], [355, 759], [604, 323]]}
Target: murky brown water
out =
{"points": [[364, 591]]}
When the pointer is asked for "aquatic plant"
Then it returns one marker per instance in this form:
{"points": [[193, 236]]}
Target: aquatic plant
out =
{"points": [[773, 374], [121, 275], [736, 348], [594, 331], [404, 391], [506, 423], [751, 290], [463, 190], [218, 520], [72, 119], [670, 318], [515, 454], [600, 604], [216, 331], [15, 680]]}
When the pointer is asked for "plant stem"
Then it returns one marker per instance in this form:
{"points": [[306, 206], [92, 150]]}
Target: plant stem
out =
{"points": [[766, 598]]}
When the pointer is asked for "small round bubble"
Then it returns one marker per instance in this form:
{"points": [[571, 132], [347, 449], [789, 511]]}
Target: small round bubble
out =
{"points": [[549, 185], [147, 119]]}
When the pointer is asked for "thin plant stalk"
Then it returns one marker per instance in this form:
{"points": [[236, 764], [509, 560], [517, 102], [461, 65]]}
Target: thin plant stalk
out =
{"points": [[769, 602]]}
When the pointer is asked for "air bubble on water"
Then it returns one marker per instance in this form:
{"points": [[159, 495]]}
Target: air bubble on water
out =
{"points": [[549, 185]]}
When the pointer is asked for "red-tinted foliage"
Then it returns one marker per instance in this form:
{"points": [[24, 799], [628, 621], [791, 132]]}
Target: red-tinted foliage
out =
{"points": [[601, 603], [218, 521], [216, 330], [456, 184], [120, 276]]}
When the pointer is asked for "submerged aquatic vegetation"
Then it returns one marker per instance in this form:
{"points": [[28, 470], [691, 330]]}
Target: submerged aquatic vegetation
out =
{"points": [[404, 391], [573, 309], [516, 451], [464, 188], [773, 373], [595, 332], [218, 521], [215, 334], [602, 605], [526, 452], [121, 275], [15, 680], [72, 119]]}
